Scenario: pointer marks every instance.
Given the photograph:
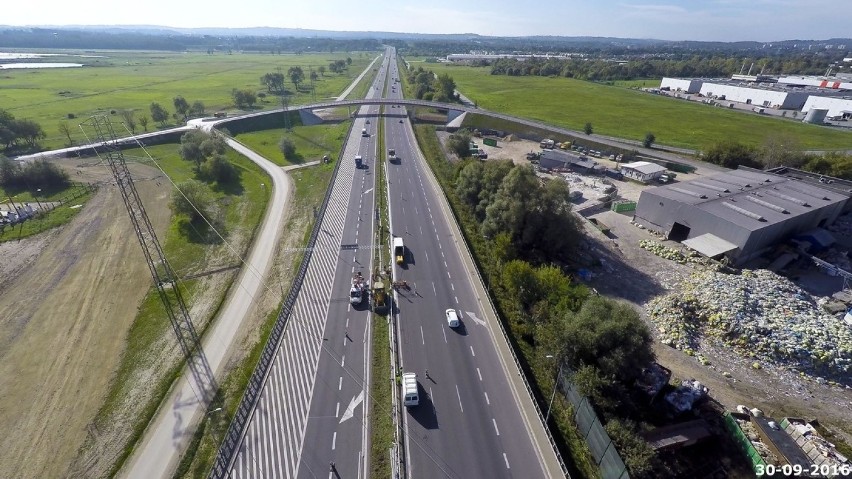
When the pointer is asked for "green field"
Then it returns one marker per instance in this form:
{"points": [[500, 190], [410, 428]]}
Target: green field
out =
{"points": [[132, 81], [620, 112], [312, 142]]}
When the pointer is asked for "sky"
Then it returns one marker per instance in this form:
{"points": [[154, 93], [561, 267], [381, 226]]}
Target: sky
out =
{"points": [[706, 20]]}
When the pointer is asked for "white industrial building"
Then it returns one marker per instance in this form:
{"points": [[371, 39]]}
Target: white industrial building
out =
{"points": [[832, 84], [837, 107], [780, 99], [643, 171], [682, 84]]}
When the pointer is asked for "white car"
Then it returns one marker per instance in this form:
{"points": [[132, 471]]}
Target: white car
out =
{"points": [[452, 318]]}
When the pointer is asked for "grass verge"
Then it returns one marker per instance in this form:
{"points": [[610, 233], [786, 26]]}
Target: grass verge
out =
{"points": [[572, 447], [312, 142], [381, 398]]}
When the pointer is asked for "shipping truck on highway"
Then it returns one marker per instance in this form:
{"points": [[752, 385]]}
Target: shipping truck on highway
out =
{"points": [[358, 290], [410, 395], [364, 132], [392, 155], [398, 250], [359, 162]]}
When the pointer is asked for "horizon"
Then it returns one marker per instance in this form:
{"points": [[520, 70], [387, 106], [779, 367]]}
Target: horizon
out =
{"points": [[762, 21]]}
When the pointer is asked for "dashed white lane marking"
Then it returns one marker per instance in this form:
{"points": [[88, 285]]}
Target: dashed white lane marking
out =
{"points": [[479, 373], [462, 407], [486, 398], [445, 335], [427, 255], [422, 338], [340, 384], [457, 299], [471, 351], [507, 460], [433, 289], [343, 361], [333, 440], [452, 287], [337, 410], [495, 426]]}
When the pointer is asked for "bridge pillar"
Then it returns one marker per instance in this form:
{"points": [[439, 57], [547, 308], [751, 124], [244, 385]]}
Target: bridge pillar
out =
{"points": [[455, 118], [309, 117]]}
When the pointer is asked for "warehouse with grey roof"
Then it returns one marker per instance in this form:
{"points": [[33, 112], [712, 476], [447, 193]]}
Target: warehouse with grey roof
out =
{"points": [[739, 213]]}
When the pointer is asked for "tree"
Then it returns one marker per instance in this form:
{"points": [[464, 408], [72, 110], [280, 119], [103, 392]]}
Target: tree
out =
{"points": [[29, 131], [587, 128], [243, 98], [321, 70], [129, 120], [143, 122], [181, 107], [606, 334], [7, 132], [197, 109], [288, 148], [274, 82], [459, 143], [314, 76], [10, 170], [638, 456], [649, 140], [446, 86], [190, 147], [66, 130], [193, 200], [348, 60], [780, 150], [219, 169], [159, 114], [297, 75]]}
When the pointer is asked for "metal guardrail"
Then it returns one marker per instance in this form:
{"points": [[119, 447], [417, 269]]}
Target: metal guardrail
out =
{"points": [[236, 431], [505, 335]]}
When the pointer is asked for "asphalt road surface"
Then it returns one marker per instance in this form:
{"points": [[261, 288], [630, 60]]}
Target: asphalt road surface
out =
{"points": [[468, 422], [312, 409]]}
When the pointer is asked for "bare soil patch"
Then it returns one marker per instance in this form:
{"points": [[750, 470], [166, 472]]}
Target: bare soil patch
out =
{"points": [[69, 297]]}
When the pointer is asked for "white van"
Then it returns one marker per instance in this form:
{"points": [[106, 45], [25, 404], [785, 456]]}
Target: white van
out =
{"points": [[410, 395], [452, 318]]}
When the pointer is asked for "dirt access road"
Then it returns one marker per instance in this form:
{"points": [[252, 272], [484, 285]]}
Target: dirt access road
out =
{"points": [[68, 298]]}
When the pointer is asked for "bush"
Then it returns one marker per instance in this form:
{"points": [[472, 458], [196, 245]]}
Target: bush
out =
{"points": [[288, 148], [71, 116], [636, 453]]}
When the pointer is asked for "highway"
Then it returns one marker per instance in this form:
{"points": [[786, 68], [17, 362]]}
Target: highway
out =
{"points": [[312, 408], [468, 422]]}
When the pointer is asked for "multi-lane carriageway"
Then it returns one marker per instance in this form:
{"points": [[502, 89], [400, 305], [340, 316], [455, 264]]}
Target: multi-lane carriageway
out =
{"points": [[312, 411]]}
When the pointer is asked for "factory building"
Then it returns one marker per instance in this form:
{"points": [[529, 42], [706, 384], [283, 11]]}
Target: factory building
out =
{"points": [[554, 159], [837, 107], [780, 99], [738, 214], [681, 84]]}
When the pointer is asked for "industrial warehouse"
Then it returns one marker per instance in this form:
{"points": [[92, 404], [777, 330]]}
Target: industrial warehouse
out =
{"points": [[741, 213]]}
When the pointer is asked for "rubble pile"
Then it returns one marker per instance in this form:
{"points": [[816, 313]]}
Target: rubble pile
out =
{"points": [[759, 314], [842, 225], [670, 253]]}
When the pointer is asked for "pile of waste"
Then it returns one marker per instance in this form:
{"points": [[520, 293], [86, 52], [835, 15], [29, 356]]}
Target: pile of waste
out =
{"points": [[688, 393], [759, 314]]}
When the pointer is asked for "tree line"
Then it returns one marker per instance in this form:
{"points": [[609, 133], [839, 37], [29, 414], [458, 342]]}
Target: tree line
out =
{"points": [[704, 66], [32, 175], [778, 151]]}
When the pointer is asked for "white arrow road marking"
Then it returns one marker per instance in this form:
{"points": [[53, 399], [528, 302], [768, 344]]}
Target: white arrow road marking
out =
{"points": [[476, 320], [368, 191], [352, 405]]}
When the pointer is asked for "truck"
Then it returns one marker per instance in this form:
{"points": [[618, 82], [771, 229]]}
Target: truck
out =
{"points": [[364, 132], [392, 155], [359, 162], [359, 287], [410, 394], [398, 250]]}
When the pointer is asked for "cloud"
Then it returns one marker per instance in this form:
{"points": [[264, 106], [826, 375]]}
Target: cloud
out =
{"points": [[655, 9]]}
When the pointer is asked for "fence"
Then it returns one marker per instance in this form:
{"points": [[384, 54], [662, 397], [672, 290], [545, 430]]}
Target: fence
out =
{"points": [[589, 426], [236, 431], [77, 190], [743, 443]]}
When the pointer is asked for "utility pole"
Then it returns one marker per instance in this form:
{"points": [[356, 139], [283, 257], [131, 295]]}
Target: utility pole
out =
{"points": [[165, 279]]}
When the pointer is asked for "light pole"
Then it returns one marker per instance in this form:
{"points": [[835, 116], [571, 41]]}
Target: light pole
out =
{"points": [[555, 386], [213, 429], [38, 191]]}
